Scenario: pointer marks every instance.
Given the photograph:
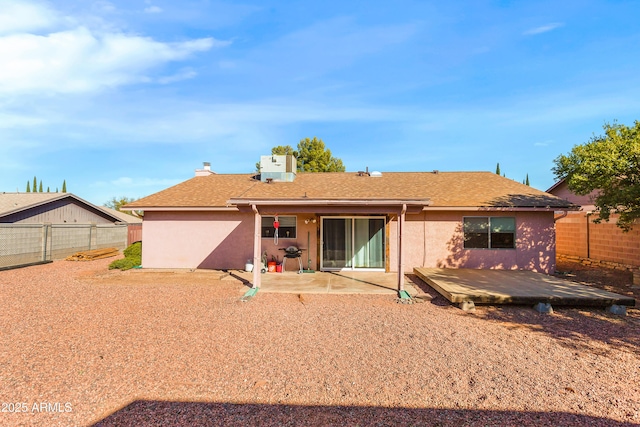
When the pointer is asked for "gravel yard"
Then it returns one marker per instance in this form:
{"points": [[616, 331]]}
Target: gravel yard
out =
{"points": [[82, 345]]}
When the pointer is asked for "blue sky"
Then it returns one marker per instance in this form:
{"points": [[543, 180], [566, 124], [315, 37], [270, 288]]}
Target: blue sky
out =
{"points": [[126, 98]]}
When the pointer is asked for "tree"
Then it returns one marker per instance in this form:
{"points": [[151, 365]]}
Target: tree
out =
{"points": [[608, 164], [498, 169], [48, 190], [311, 155], [116, 203], [35, 185], [28, 187], [314, 157], [40, 188], [527, 180], [64, 186]]}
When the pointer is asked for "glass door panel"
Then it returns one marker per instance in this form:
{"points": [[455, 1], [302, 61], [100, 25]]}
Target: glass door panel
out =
{"points": [[368, 245], [350, 243], [336, 243]]}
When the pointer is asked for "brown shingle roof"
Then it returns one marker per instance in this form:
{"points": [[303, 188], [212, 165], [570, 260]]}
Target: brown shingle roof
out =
{"points": [[443, 189]]}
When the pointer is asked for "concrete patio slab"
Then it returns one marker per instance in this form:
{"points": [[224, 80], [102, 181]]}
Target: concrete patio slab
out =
{"points": [[339, 282], [515, 287]]}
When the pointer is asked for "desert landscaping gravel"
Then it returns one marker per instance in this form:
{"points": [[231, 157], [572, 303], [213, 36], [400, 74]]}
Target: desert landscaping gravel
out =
{"points": [[81, 345]]}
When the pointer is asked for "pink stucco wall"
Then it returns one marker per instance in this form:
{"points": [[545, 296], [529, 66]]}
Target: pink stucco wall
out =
{"points": [[224, 240], [435, 240], [586, 202], [214, 240]]}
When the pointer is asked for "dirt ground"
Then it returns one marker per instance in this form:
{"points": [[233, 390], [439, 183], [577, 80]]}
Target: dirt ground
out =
{"points": [[82, 345], [618, 281]]}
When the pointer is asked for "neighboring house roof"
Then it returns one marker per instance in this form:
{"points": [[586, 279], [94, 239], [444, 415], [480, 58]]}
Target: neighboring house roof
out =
{"points": [[436, 189], [124, 217], [561, 189], [11, 203]]}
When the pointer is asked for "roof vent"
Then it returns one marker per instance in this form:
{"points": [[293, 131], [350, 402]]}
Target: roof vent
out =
{"points": [[375, 173], [436, 171]]}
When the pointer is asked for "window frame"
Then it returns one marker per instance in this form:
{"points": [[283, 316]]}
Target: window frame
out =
{"points": [[489, 233], [267, 231]]}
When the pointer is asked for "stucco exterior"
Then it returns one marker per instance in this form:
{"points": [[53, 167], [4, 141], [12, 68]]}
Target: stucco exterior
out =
{"points": [[224, 240]]}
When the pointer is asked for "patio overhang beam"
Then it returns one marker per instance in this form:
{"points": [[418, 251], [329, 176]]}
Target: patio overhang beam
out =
{"points": [[330, 202]]}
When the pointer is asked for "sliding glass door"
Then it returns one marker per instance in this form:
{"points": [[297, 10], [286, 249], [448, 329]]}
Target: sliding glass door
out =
{"points": [[350, 243]]}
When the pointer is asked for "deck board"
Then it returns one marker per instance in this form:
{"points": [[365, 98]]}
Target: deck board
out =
{"points": [[515, 287]]}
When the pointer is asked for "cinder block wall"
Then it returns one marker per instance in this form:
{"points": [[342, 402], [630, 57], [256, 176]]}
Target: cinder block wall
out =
{"points": [[607, 242]]}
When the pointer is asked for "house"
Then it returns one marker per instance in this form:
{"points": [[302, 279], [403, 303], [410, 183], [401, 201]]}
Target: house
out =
{"points": [[579, 238], [392, 221], [56, 208], [40, 227], [561, 189]]}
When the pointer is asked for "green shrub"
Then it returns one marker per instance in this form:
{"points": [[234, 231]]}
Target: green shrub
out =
{"points": [[134, 250], [132, 258]]}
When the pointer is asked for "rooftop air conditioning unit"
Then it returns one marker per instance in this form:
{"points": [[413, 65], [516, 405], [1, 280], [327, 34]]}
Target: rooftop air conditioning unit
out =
{"points": [[278, 168]]}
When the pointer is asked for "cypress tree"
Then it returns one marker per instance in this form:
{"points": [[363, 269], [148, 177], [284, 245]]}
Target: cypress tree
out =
{"points": [[527, 182], [28, 187], [498, 169], [64, 186], [35, 185], [40, 188], [48, 191]]}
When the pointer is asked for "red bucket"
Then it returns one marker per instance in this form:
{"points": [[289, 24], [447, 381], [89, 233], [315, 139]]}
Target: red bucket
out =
{"points": [[278, 268]]}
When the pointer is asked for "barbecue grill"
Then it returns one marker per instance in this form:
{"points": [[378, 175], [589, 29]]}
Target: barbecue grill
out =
{"points": [[292, 252]]}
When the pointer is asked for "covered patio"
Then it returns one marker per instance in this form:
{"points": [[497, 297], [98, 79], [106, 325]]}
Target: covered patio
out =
{"points": [[334, 282]]}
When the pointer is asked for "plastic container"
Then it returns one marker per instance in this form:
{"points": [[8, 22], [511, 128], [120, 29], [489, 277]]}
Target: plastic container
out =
{"points": [[271, 266], [248, 267], [278, 268]]}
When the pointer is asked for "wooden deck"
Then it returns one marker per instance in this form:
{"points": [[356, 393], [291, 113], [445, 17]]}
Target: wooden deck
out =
{"points": [[515, 287]]}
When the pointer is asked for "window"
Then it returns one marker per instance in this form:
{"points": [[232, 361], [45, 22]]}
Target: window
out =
{"points": [[287, 228], [489, 232]]}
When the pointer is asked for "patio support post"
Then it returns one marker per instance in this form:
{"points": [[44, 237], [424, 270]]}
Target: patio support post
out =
{"points": [[401, 218], [257, 260]]}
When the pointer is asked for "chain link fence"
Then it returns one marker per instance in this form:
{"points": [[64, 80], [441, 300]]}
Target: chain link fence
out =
{"points": [[23, 244]]}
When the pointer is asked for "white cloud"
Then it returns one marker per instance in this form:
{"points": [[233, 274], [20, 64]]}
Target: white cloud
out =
{"points": [[184, 74], [152, 9], [127, 182], [78, 59], [26, 17], [543, 29]]}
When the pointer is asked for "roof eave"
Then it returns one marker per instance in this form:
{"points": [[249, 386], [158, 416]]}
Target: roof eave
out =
{"points": [[502, 208], [179, 208]]}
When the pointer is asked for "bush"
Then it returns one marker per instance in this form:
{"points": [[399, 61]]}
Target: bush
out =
{"points": [[134, 250], [132, 258]]}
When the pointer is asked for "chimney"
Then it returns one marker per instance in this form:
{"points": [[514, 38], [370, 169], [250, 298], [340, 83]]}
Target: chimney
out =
{"points": [[206, 169]]}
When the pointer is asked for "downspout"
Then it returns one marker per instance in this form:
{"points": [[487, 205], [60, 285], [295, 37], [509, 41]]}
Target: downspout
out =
{"points": [[257, 267], [401, 292]]}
